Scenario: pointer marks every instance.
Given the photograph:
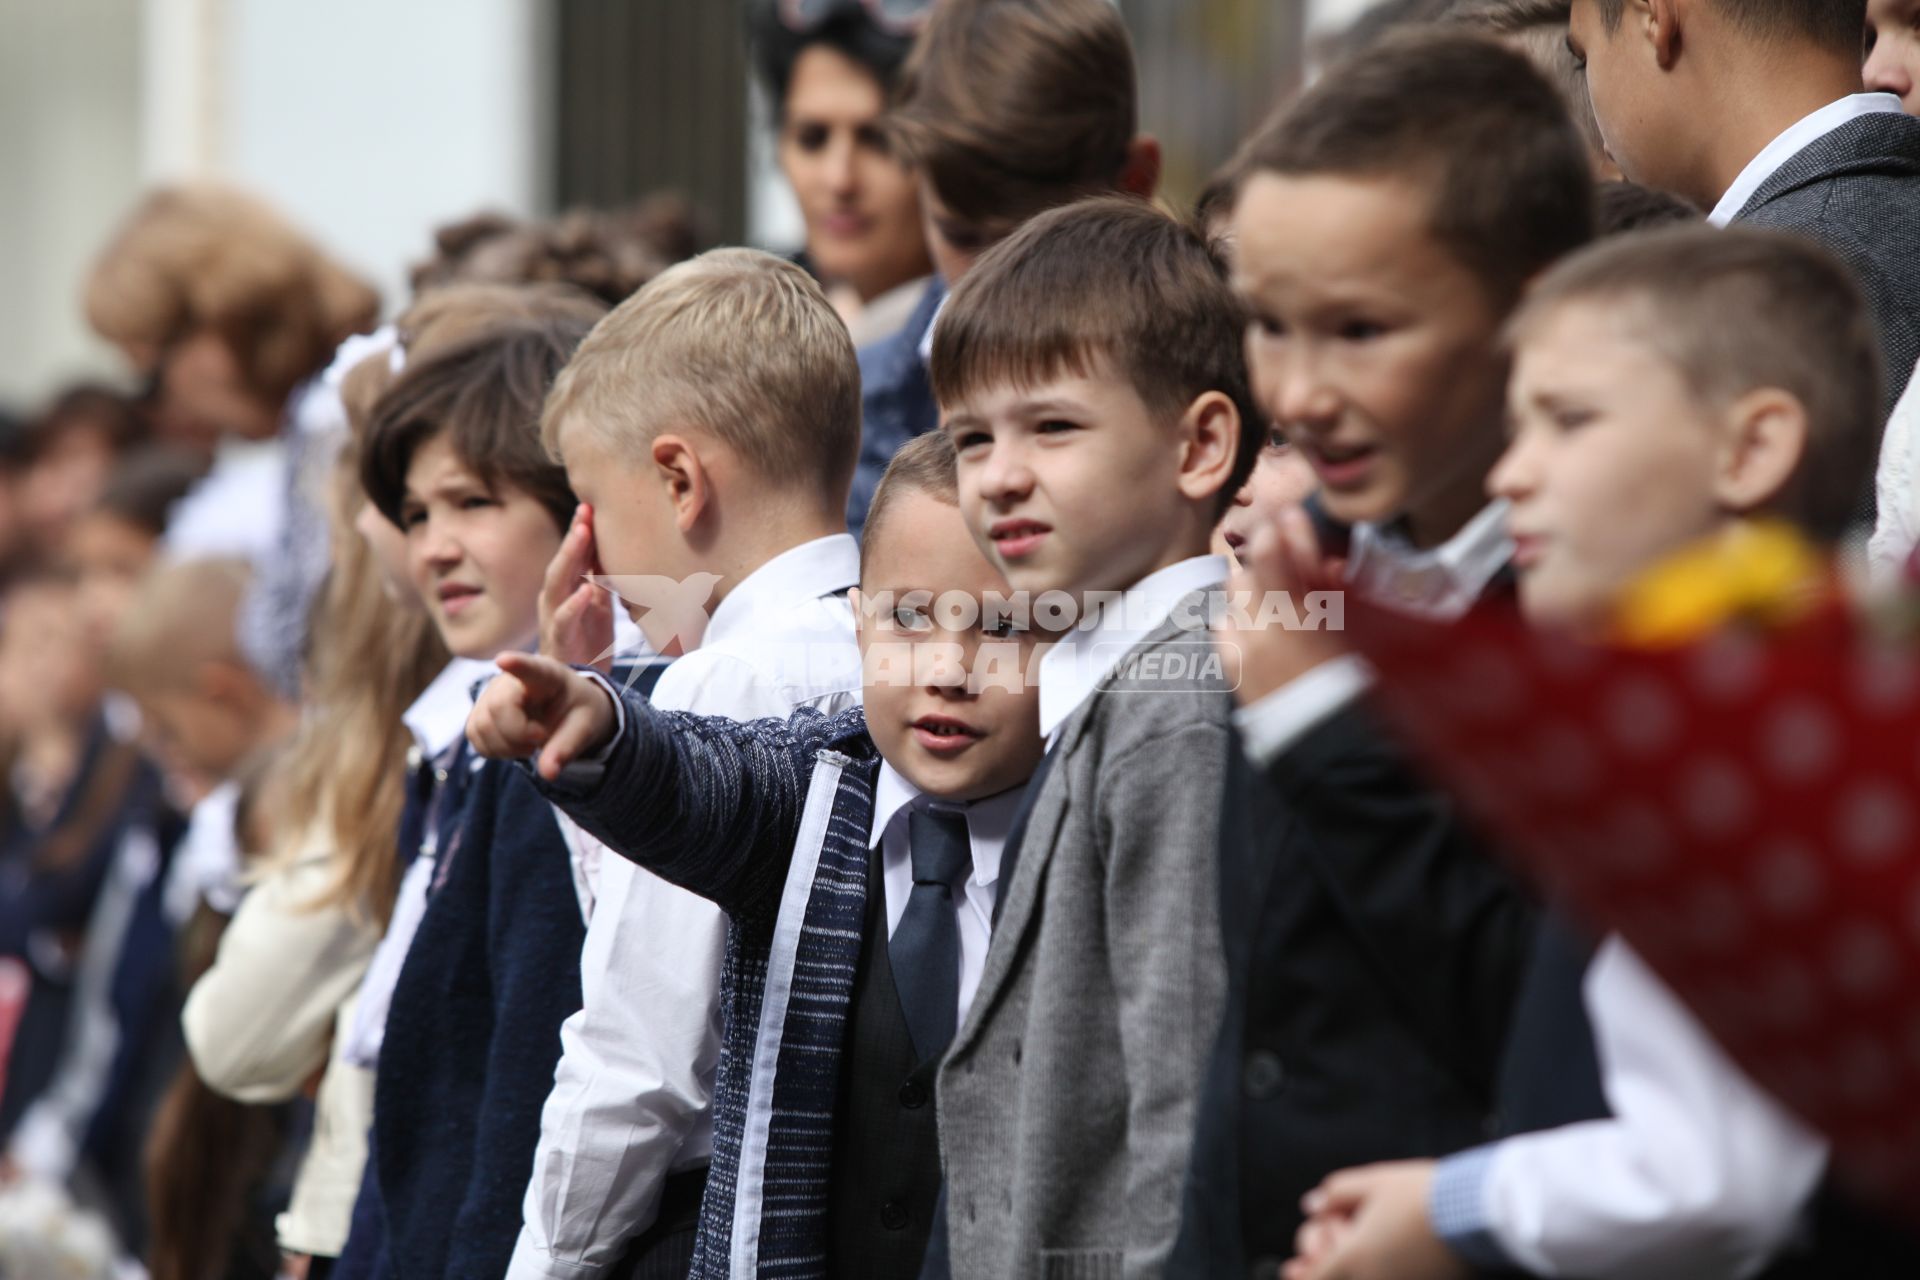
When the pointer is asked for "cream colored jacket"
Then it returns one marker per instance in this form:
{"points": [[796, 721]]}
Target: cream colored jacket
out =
{"points": [[265, 1019]]}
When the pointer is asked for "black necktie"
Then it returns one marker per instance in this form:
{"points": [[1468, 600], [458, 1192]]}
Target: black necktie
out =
{"points": [[925, 949]]}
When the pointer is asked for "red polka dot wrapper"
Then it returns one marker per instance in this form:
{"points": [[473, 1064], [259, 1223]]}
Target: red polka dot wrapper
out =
{"points": [[1744, 810]]}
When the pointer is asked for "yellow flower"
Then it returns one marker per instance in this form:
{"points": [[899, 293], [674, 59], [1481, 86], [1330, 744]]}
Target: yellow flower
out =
{"points": [[1764, 573]]}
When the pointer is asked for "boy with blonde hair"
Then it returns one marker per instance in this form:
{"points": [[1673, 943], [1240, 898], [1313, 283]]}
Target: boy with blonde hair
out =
{"points": [[709, 426]]}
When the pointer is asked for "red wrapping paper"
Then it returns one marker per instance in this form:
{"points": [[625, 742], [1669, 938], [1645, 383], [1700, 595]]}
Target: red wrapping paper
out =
{"points": [[1744, 811]]}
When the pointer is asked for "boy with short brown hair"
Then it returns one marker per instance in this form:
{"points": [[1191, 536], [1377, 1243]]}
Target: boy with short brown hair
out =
{"points": [[1754, 110], [1091, 382], [1388, 222], [1060, 122]]}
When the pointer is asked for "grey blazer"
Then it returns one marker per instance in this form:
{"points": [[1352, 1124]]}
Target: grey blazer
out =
{"points": [[1857, 192], [1068, 1098]]}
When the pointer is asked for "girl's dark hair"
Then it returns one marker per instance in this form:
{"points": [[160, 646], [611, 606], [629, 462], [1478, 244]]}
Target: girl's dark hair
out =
{"points": [[777, 47], [146, 484], [486, 394], [90, 406]]}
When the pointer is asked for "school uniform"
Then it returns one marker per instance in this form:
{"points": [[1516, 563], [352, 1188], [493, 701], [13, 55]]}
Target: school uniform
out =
{"points": [[1068, 1097], [628, 1122], [1848, 176], [826, 1159], [1375, 950]]}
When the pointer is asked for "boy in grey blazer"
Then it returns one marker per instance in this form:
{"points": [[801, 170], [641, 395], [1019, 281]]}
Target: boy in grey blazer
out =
{"points": [[1090, 375]]}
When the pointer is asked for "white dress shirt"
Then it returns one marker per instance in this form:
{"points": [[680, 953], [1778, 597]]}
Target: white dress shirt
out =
{"points": [[631, 1094], [436, 719], [1075, 665], [1896, 530], [1798, 137], [988, 823], [1440, 583], [1698, 1173]]}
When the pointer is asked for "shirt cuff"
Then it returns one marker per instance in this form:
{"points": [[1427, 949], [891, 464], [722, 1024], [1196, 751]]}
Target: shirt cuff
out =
{"points": [[1283, 717], [1457, 1209], [532, 1262]]}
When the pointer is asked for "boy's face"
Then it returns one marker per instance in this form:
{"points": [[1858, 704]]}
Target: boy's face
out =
{"points": [[1612, 464], [956, 243], [108, 557], [1893, 50], [196, 729], [1631, 95], [1070, 485], [1282, 478], [476, 554], [949, 707], [633, 523], [1371, 346]]}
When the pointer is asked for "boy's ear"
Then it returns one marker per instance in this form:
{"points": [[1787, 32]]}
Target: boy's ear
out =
{"points": [[1209, 441], [1766, 440], [680, 470], [1660, 19], [1140, 171]]}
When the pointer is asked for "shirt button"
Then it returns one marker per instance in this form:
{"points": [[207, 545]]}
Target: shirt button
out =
{"points": [[893, 1215], [1262, 1076], [913, 1095]]}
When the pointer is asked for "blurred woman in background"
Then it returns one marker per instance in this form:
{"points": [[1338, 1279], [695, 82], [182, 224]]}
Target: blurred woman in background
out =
{"points": [[829, 68]]}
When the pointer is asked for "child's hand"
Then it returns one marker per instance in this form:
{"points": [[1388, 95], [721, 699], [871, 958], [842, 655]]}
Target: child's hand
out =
{"points": [[576, 617], [537, 704], [1284, 557], [1372, 1224]]}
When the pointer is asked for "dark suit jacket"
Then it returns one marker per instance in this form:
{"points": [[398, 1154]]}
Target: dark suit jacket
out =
{"points": [[1857, 192], [1374, 952], [896, 400]]}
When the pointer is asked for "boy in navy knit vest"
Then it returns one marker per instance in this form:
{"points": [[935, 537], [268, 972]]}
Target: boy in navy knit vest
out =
{"points": [[857, 857]]}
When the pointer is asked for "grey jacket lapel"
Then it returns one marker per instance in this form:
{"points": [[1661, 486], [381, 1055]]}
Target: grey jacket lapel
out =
{"points": [[1022, 895], [1881, 143]]}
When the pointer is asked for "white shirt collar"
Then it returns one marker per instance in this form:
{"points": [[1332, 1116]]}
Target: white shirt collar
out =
{"points": [[989, 821], [1796, 139], [1075, 665], [926, 339], [438, 716], [1440, 582], [811, 571]]}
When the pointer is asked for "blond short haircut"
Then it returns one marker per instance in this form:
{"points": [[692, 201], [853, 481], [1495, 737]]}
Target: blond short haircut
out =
{"points": [[735, 344], [182, 617], [1741, 310]]}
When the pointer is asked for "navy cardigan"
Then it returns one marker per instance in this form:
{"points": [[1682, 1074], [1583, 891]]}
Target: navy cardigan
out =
{"points": [[473, 1034]]}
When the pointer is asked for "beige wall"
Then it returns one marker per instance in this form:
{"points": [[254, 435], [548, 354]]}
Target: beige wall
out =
{"points": [[69, 165]]}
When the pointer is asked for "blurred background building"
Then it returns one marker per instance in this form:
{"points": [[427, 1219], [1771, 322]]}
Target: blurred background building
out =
{"points": [[372, 121]]}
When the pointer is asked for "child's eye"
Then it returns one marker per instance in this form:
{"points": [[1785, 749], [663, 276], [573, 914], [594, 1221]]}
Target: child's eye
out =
{"points": [[411, 516], [1572, 419], [810, 137], [1266, 326], [1277, 440], [1056, 426], [911, 620], [1361, 330], [473, 502], [964, 440]]}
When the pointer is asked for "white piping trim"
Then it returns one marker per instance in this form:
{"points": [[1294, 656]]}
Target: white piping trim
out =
{"points": [[750, 1181]]}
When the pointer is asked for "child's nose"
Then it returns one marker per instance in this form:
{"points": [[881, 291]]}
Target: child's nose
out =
{"points": [[1885, 73]]}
